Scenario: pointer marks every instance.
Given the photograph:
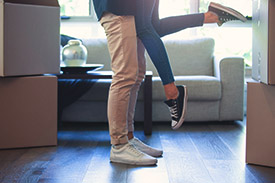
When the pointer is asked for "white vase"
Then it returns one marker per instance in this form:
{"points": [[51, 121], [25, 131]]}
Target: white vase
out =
{"points": [[74, 53]]}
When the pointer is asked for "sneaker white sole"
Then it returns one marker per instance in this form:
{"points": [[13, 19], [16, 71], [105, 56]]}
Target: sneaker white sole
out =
{"points": [[153, 162], [184, 109], [229, 10]]}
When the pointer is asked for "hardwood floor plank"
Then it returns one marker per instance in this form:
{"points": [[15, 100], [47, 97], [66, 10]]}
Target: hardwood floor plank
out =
{"points": [[183, 161], [263, 173], [29, 167], [73, 157], [186, 167], [233, 136], [176, 141], [209, 145], [7, 159], [59, 180], [101, 170], [197, 152], [148, 174], [229, 171]]}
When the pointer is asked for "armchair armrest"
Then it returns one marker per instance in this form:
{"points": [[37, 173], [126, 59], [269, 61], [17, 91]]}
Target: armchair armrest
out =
{"points": [[230, 71]]}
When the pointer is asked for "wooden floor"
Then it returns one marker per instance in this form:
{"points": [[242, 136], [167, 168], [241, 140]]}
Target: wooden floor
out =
{"points": [[196, 153]]}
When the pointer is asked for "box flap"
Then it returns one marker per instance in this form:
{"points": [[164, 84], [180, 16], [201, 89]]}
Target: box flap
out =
{"points": [[34, 2]]}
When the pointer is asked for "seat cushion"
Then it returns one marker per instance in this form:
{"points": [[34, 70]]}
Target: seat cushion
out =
{"points": [[198, 87]]}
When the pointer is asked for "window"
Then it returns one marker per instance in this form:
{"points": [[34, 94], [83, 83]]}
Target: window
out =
{"points": [[75, 7], [244, 6], [173, 7], [233, 38]]}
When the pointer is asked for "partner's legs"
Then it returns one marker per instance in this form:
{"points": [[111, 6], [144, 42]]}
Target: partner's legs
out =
{"points": [[171, 91], [176, 99], [157, 52], [151, 40], [211, 17]]}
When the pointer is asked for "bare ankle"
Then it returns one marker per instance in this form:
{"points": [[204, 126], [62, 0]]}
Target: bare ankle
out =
{"points": [[211, 17], [171, 91]]}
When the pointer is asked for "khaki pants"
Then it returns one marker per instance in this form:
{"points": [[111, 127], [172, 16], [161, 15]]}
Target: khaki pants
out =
{"points": [[129, 67]]}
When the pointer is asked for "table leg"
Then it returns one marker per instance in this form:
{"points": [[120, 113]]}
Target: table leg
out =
{"points": [[148, 105]]}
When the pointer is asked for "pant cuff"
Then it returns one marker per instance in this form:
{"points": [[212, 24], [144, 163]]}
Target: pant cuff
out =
{"points": [[122, 140]]}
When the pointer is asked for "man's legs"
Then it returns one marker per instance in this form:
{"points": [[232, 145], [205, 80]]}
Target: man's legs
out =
{"points": [[122, 43], [132, 105], [121, 36], [136, 86]]}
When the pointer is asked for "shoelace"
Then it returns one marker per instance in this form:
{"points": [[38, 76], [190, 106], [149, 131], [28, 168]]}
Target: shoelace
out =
{"points": [[134, 150], [223, 19], [137, 142], [174, 110], [226, 19]]}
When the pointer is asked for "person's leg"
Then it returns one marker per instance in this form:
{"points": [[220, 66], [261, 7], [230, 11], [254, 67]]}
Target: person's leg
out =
{"points": [[152, 41], [172, 24], [121, 36], [176, 100], [225, 14], [175, 24], [154, 45], [122, 43], [211, 17], [176, 96], [135, 88], [216, 13], [132, 104]]}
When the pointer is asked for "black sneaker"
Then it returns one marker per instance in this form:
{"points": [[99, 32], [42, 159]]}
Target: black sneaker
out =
{"points": [[177, 107], [225, 13]]}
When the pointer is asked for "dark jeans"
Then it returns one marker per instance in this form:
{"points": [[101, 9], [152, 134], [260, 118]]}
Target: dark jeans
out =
{"points": [[150, 29]]}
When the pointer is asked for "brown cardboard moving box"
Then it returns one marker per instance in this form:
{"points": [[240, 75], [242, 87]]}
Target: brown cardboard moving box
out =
{"points": [[260, 139], [263, 50], [28, 111], [29, 37]]}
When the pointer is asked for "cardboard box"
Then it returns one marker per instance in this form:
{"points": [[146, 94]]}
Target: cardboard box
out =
{"points": [[260, 129], [28, 111], [263, 52], [29, 37]]}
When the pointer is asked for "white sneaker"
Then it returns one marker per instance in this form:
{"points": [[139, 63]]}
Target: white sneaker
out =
{"points": [[129, 154], [145, 148]]}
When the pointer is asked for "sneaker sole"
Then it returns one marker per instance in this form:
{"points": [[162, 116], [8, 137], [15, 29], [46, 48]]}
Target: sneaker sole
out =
{"points": [[228, 10], [132, 163], [183, 110], [159, 154]]}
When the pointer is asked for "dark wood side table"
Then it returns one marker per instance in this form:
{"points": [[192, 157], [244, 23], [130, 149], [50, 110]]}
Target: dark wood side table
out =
{"points": [[108, 75]]}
